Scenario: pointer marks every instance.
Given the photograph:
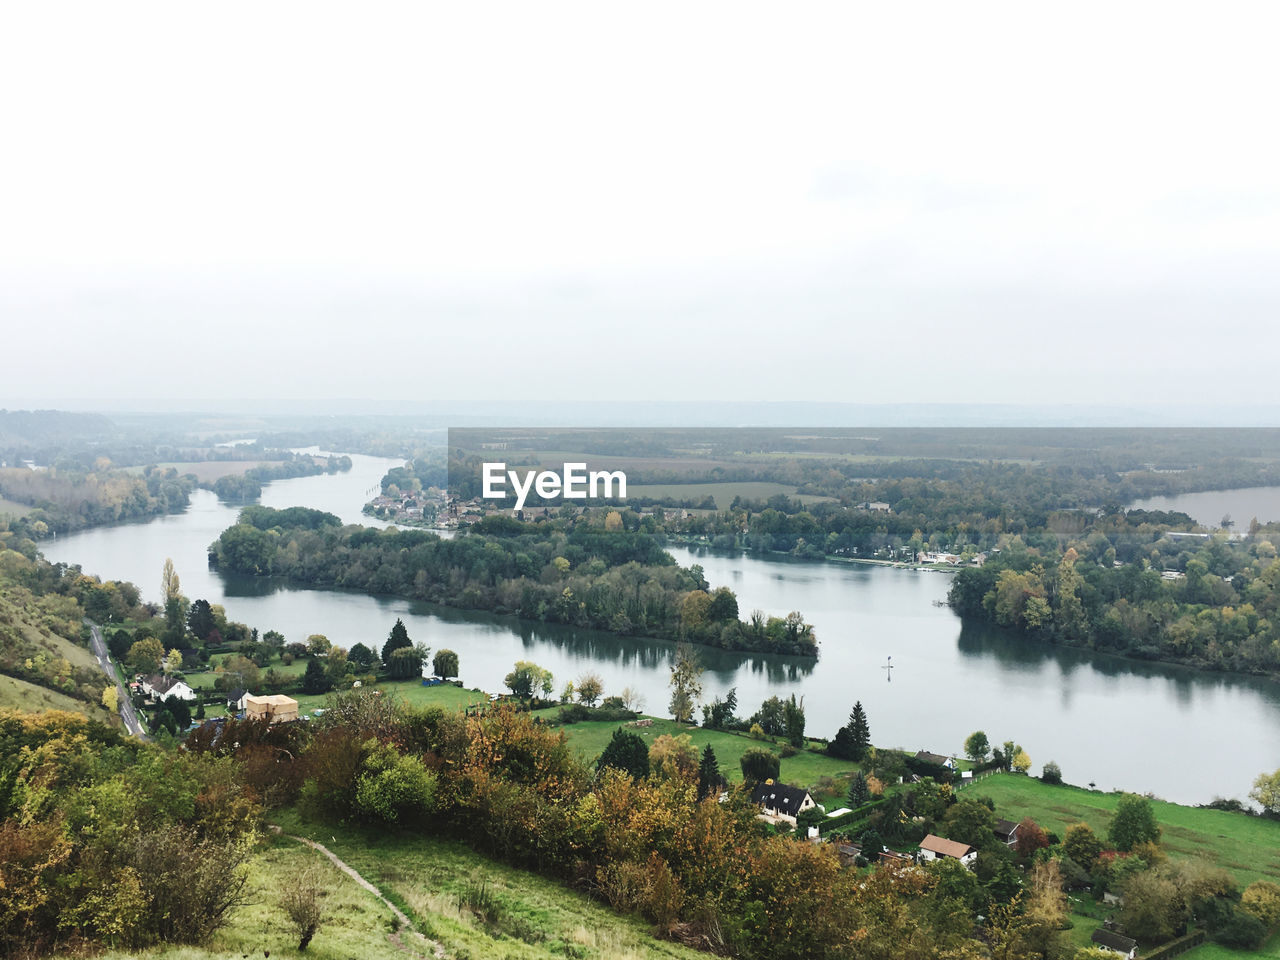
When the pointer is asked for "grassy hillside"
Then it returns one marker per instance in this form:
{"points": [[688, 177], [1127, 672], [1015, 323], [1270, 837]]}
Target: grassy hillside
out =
{"points": [[1248, 847], [27, 696], [804, 769], [530, 917], [358, 926]]}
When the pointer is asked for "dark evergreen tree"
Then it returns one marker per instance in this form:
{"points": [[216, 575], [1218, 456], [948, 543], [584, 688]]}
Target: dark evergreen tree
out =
{"points": [[316, 679], [794, 719], [200, 619], [709, 777], [398, 639], [628, 752], [859, 792], [859, 731]]}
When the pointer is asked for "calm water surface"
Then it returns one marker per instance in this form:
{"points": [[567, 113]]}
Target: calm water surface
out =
{"points": [[1209, 507], [1181, 734]]}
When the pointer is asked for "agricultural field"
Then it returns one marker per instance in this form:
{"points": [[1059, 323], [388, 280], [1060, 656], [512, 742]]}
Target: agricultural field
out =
{"points": [[724, 493], [13, 509], [440, 885], [1247, 847]]}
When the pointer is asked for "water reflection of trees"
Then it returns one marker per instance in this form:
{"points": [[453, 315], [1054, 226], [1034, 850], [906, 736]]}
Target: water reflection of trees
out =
{"points": [[1007, 652]]}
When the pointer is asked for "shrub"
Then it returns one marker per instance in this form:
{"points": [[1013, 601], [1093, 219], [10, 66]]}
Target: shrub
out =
{"points": [[1243, 931], [1051, 773], [759, 765]]}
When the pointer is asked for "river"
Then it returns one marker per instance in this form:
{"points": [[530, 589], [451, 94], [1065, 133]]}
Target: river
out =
{"points": [[1180, 734], [1208, 507]]}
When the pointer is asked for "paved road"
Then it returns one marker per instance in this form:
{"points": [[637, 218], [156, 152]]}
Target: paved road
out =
{"points": [[127, 713]]}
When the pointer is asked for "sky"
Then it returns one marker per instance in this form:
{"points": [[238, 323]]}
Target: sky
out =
{"points": [[434, 203]]}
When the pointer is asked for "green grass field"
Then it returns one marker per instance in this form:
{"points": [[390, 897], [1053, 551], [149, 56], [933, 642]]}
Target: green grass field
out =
{"points": [[1248, 847], [358, 924], [804, 769], [27, 696], [537, 919], [13, 509]]}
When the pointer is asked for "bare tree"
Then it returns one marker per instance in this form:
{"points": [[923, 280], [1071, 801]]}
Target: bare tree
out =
{"points": [[301, 902]]}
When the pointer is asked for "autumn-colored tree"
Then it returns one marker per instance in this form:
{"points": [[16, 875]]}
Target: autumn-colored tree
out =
{"points": [[674, 757], [1031, 837], [589, 688], [146, 655], [1082, 845], [686, 683]]}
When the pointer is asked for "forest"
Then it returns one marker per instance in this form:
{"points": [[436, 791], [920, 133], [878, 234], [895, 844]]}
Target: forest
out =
{"points": [[586, 572]]}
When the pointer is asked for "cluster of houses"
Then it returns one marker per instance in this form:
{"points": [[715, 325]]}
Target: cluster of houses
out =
{"points": [[275, 707], [780, 803]]}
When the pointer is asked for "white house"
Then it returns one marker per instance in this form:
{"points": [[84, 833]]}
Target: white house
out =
{"points": [[936, 759], [935, 848], [1117, 943], [781, 802], [159, 688]]}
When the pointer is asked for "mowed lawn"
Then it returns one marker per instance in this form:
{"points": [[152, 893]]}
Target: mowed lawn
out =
{"points": [[1248, 847], [805, 769], [533, 918]]}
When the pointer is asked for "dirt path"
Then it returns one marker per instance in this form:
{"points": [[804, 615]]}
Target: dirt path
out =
{"points": [[433, 949]]}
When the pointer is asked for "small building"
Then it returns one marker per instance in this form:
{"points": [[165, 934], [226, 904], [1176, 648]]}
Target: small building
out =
{"points": [[235, 699], [160, 688], [277, 708], [1117, 943], [935, 848], [1006, 832], [848, 854], [777, 801], [936, 759]]}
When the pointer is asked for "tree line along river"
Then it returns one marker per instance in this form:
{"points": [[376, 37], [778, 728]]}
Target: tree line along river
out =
{"points": [[1182, 734]]}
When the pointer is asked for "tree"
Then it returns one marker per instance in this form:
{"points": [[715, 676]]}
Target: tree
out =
{"points": [[1153, 910], [977, 746], [710, 779], [794, 716], [316, 680], [1031, 837], [590, 687], [1082, 845], [1021, 761], [1266, 792], [361, 657], [1134, 822], [318, 644], [274, 639], [170, 586], [200, 619], [111, 698], [406, 662], [238, 673], [397, 639], [526, 678], [718, 714], [759, 765], [445, 664], [859, 792], [686, 684], [859, 731], [301, 903], [971, 822], [674, 757], [1051, 773], [853, 739], [632, 699], [1262, 899], [627, 752], [771, 717], [172, 661], [146, 655]]}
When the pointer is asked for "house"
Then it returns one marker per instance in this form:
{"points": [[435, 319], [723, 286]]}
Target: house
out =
{"points": [[934, 847], [777, 801], [276, 708], [936, 759], [235, 699], [1006, 832], [1118, 943], [158, 688]]}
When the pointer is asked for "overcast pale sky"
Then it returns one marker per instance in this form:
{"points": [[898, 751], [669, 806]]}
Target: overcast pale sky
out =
{"points": [[432, 202]]}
